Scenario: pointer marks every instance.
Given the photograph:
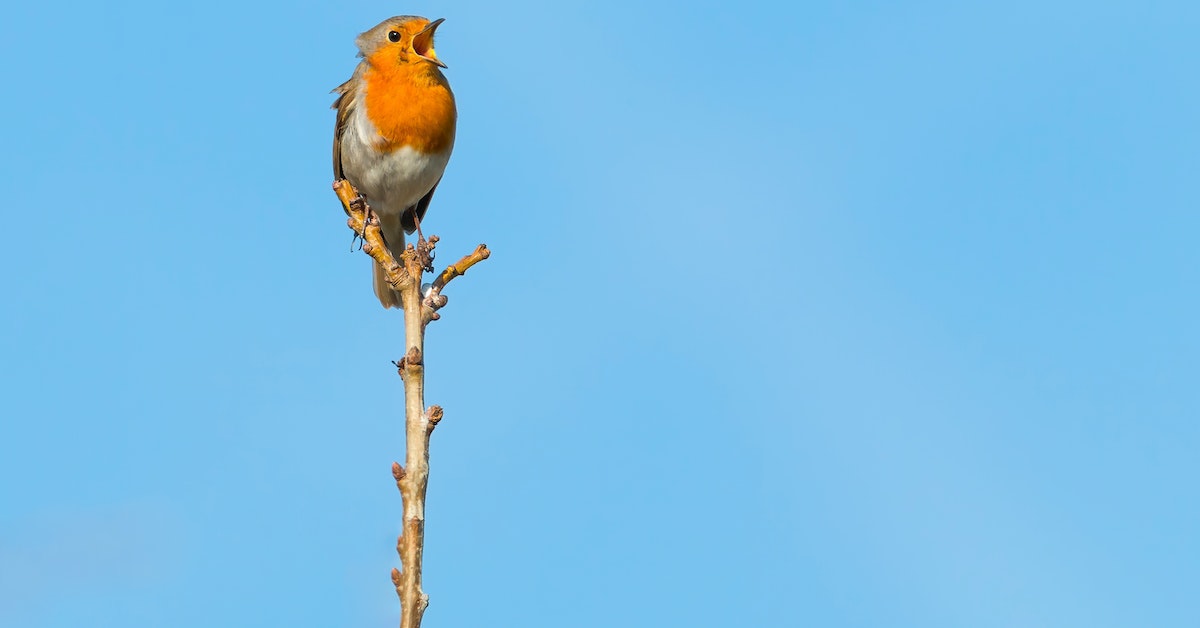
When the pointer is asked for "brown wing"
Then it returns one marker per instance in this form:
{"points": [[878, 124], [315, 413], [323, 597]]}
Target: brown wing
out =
{"points": [[344, 105], [419, 209]]}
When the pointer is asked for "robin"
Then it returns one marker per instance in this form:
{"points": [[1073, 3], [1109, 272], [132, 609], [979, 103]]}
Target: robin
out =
{"points": [[395, 129]]}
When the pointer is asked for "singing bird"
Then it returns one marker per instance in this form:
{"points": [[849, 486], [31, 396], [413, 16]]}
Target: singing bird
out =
{"points": [[395, 129]]}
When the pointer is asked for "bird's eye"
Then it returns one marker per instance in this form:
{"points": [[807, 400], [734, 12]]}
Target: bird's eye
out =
{"points": [[393, 36]]}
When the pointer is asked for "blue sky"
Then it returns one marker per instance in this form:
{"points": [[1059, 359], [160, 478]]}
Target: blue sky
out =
{"points": [[818, 313]]}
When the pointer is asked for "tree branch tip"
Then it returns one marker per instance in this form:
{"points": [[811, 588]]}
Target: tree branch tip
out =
{"points": [[458, 269], [342, 187], [351, 200]]}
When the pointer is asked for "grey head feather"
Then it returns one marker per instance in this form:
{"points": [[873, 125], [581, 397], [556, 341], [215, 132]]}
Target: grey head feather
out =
{"points": [[369, 41]]}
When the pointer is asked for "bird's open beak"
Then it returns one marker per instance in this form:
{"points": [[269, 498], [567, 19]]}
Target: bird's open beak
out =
{"points": [[423, 43]]}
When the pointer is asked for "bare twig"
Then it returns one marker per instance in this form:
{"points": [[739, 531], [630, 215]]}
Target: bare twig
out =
{"points": [[373, 245], [434, 299], [404, 275], [460, 268]]}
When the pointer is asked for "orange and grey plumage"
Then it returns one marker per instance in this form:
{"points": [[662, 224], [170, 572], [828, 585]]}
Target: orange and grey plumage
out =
{"points": [[395, 128]]}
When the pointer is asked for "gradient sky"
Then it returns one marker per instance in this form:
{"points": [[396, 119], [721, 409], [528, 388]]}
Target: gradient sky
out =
{"points": [[799, 314]]}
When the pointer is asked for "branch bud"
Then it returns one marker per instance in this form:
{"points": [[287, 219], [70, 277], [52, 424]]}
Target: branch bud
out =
{"points": [[434, 415]]}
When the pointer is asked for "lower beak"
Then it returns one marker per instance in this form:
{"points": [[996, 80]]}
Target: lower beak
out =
{"points": [[423, 43]]}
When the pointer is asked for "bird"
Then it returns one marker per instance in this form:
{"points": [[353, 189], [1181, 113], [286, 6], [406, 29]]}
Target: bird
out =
{"points": [[396, 120]]}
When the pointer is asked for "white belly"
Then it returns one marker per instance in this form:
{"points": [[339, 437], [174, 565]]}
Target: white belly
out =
{"points": [[391, 182]]}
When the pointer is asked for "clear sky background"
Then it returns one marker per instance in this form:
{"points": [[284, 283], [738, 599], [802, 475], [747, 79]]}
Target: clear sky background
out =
{"points": [[798, 314]]}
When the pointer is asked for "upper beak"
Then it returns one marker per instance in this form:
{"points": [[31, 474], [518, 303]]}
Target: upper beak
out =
{"points": [[423, 43]]}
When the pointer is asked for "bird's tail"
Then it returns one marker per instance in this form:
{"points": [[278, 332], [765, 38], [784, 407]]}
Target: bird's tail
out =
{"points": [[393, 234]]}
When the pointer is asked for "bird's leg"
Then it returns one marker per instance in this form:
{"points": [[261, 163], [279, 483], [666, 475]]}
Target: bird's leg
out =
{"points": [[358, 202], [366, 221], [417, 222]]}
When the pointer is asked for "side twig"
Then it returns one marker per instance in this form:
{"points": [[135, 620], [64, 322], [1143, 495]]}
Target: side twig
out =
{"points": [[434, 299], [412, 479]]}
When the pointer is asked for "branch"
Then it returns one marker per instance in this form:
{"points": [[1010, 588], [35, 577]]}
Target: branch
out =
{"points": [[461, 267], [366, 226], [412, 479], [434, 299]]}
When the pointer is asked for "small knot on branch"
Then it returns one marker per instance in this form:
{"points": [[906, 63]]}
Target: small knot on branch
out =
{"points": [[424, 252], [412, 359], [433, 415], [435, 302]]}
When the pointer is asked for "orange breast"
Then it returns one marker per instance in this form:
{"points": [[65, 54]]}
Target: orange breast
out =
{"points": [[410, 104]]}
